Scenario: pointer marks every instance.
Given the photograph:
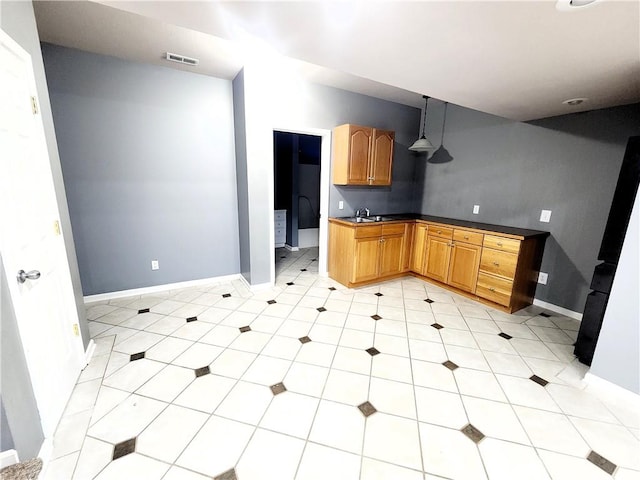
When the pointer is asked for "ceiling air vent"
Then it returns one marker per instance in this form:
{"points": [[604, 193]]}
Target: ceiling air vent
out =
{"points": [[174, 57]]}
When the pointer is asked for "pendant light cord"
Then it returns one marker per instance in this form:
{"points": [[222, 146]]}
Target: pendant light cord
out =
{"points": [[424, 121], [444, 122]]}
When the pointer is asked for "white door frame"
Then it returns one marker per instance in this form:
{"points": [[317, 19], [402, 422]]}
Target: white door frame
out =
{"points": [[325, 169]]}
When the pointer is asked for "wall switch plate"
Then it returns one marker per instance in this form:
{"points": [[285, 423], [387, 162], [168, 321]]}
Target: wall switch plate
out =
{"points": [[542, 278], [545, 216], [155, 265], [476, 209], [340, 205]]}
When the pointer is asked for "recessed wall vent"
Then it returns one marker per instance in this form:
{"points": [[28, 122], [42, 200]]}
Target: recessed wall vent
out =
{"points": [[174, 57]]}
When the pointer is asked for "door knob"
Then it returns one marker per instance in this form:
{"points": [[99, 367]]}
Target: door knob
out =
{"points": [[31, 275]]}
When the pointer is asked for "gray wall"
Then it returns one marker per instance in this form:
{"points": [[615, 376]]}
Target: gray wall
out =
{"points": [[566, 164], [619, 340], [19, 22], [18, 400], [241, 175], [286, 103], [148, 160]]}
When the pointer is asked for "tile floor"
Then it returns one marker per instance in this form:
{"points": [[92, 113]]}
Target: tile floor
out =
{"points": [[309, 380]]}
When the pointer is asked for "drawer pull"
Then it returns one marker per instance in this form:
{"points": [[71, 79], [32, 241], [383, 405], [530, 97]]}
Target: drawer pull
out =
{"points": [[466, 237], [499, 244], [491, 289], [496, 264], [439, 231]]}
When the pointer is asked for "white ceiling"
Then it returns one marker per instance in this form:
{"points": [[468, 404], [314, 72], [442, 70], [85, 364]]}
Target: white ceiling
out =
{"points": [[517, 59]]}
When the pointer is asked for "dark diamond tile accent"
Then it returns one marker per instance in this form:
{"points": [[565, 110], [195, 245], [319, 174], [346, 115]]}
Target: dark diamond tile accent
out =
{"points": [[303, 269], [367, 409], [283, 256], [428, 300], [271, 302], [314, 259], [228, 475], [136, 356], [376, 317], [332, 288], [191, 319], [505, 335], [450, 365], [245, 329], [373, 351], [546, 315], [290, 283], [538, 380], [321, 309], [124, 448], [278, 388], [437, 326], [473, 433], [202, 371], [226, 295], [378, 294], [143, 310], [601, 462], [304, 339]]}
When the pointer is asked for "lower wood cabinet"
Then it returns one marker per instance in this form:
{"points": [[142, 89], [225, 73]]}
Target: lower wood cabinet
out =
{"points": [[497, 268], [363, 253]]}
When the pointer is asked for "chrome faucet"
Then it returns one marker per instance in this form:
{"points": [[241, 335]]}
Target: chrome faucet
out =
{"points": [[360, 211]]}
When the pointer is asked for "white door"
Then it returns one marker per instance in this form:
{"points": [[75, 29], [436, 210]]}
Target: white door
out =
{"points": [[30, 239]]}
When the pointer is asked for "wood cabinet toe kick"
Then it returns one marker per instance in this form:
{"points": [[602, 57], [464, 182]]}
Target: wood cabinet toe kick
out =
{"points": [[495, 268]]}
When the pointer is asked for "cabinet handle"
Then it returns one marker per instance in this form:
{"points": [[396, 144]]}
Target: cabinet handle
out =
{"points": [[466, 237], [439, 231], [496, 264], [499, 244], [491, 289]]}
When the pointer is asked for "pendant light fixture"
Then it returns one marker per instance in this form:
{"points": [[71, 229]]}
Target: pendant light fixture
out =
{"points": [[442, 155], [422, 144]]}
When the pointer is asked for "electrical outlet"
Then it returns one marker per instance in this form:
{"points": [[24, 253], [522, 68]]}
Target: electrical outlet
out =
{"points": [[545, 216], [476, 209], [542, 278], [155, 265], [340, 205]]}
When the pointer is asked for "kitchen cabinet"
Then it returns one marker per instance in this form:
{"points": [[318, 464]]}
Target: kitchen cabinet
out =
{"points": [[418, 248], [451, 258], [362, 155], [363, 253]]}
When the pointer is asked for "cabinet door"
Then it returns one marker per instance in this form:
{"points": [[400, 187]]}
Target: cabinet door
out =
{"points": [[367, 259], [437, 261], [407, 247], [359, 146], [391, 255], [419, 248], [464, 265], [381, 157]]}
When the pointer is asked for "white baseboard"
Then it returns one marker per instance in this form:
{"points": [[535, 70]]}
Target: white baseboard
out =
{"points": [[555, 308], [159, 288], [308, 237], [290, 248], [8, 458], [257, 287], [46, 450], [606, 390], [88, 355], [279, 245]]}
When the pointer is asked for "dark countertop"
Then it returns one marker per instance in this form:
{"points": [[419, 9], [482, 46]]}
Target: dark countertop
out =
{"points": [[520, 232]]}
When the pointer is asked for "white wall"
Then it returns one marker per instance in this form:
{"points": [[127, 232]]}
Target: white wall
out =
{"points": [[617, 356]]}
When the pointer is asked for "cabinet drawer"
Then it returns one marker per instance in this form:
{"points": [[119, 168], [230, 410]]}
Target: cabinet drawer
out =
{"points": [[467, 236], [369, 231], [498, 262], [495, 289], [502, 243], [438, 231], [279, 224], [393, 229], [279, 215]]}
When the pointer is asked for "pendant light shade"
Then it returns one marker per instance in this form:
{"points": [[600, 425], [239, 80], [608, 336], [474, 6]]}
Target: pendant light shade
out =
{"points": [[423, 144]]}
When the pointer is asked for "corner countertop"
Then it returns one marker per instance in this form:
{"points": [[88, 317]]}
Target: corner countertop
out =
{"points": [[396, 217]]}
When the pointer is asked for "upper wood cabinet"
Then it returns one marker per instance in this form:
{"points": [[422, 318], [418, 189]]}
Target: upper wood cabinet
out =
{"points": [[362, 155]]}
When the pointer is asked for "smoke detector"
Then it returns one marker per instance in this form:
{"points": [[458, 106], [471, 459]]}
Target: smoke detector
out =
{"points": [[568, 5], [174, 57], [575, 101]]}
